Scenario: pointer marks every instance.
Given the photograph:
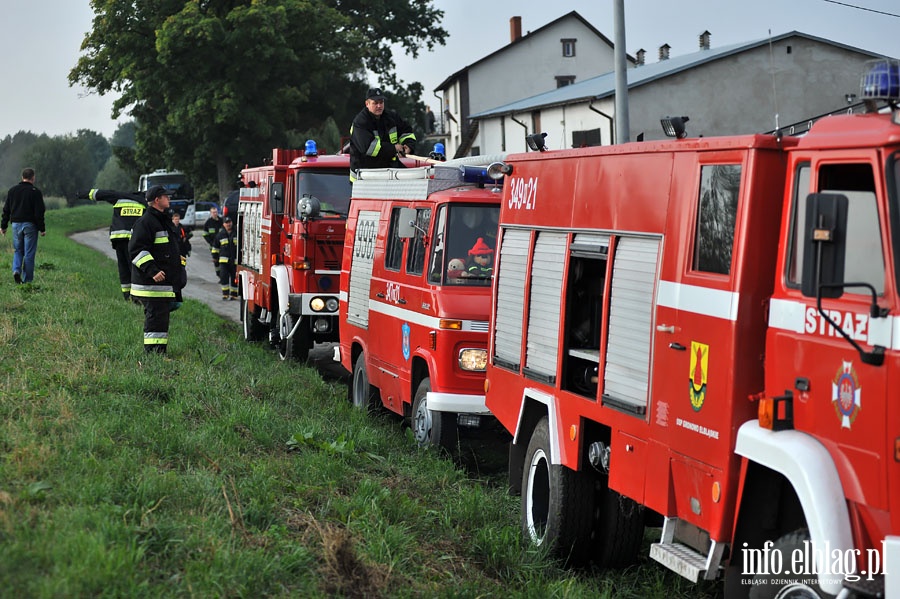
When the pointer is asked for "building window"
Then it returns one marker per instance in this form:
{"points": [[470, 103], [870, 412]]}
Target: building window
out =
{"points": [[568, 47], [564, 80], [583, 139]]}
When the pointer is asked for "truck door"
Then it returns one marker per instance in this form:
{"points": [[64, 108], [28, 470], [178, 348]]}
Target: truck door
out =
{"points": [[837, 397]]}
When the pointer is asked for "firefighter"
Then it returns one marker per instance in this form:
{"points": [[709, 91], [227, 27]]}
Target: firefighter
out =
{"points": [[157, 273], [226, 245], [210, 228], [127, 209], [184, 236], [378, 137]]}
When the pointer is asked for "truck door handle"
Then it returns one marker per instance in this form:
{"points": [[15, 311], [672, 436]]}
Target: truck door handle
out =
{"points": [[379, 294], [665, 328], [401, 301], [677, 346]]}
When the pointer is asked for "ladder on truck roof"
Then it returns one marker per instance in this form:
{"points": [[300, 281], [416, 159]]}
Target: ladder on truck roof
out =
{"points": [[415, 183]]}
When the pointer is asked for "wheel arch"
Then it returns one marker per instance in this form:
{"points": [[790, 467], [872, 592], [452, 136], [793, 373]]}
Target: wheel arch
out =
{"points": [[808, 471], [282, 283], [535, 405]]}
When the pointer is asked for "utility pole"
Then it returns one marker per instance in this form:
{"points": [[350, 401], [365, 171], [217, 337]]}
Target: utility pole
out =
{"points": [[623, 133]]}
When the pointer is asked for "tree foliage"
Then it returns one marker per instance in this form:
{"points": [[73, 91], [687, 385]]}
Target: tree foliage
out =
{"points": [[62, 165], [13, 149], [212, 82]]}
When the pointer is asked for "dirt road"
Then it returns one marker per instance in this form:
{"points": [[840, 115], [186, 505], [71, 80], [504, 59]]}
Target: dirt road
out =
{"points": [[203, 285]]}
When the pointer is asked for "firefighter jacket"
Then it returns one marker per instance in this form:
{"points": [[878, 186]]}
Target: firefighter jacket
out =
{"points": [[184, 239], [226, 244], [153, 248], [210, 228], [127, 209], [372, 140]]}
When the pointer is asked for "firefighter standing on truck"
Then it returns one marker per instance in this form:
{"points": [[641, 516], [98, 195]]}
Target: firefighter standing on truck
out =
{"points": [[158, 273], [226, 247], [127, 209], [378, 137]]}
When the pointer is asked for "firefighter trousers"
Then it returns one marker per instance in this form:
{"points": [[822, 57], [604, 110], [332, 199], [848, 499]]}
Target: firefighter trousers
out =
{"points": [[156, 325], [227, 279], [124, 262]]}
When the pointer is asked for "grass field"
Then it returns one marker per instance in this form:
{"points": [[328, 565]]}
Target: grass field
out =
{"points": [[222, 472]]}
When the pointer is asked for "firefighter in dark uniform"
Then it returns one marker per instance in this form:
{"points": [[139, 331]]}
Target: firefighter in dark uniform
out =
{"points": [[378, 137], [158, 274], [127, 209], [210, 228], [226, 244]]}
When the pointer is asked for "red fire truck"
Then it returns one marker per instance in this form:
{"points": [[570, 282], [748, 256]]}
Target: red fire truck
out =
{"points": [[414, 308], [291, 219], [702, 334]]}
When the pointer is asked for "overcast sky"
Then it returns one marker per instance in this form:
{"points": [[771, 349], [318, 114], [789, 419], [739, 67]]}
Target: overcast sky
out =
{"points": [[41, 42]]}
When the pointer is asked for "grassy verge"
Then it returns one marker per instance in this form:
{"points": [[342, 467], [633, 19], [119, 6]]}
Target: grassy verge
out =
{"points": [[224, 472]]}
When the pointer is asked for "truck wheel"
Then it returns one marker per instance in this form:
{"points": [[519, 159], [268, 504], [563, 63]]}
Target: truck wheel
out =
{"points": [[363, 395], [557, 502], [295, 348], [253, 329], [432, 428], [782, 585], [618, 530]]}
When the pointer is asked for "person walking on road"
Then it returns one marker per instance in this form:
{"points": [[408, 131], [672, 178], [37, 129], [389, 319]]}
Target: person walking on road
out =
{"points": [[158, 274], [24, 207], [226, 245], [128, 207]]}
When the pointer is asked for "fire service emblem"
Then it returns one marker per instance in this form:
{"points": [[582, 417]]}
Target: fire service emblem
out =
{"points": [[845, 394], [699, 370]]}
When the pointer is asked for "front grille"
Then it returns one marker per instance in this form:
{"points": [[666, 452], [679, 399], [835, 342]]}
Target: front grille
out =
{"points": [[328, 254]]}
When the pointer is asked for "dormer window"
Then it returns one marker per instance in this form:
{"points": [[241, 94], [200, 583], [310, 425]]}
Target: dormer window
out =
{"points": [[568, 47]]}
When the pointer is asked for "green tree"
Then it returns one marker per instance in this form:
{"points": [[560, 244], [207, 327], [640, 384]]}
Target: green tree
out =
{"points": [[113, 176], [12, 156], [211, 82], [97, 146], [122, 145], [62, 165]]}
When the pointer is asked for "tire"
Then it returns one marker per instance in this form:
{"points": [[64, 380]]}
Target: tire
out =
{"points": [[432, 428], [782, 585], [295, 348], [618, 530], [557, 503], [363, 395], [253, 329]]}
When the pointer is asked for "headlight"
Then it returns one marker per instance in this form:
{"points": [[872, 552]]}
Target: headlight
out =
{"points": [[317, 304], [331, 304], [472, 359]]}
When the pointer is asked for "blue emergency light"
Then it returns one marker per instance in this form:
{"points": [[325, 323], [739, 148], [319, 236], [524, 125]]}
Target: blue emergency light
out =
{"points": [[881, 80], [311, 149], [477, 174]]}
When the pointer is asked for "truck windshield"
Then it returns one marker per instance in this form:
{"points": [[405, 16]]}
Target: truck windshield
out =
{"points": [[331, 187], [465, 239], [177, 184]]}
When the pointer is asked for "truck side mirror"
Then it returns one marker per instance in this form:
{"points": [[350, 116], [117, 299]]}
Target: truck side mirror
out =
{"points": [[825, 245], [406, 227], [276, 198]]}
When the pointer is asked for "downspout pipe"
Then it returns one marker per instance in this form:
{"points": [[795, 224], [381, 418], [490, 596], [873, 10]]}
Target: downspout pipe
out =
{"points": [[612, 126], [440, 100], [524, 126]]}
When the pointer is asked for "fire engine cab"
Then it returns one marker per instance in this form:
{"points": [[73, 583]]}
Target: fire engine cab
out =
{"points": [[291, 219], [415, 294], [703, 334]]}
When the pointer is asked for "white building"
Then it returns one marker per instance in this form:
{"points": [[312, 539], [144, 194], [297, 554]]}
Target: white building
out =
{"points": [[561, 53], [738, 88]]}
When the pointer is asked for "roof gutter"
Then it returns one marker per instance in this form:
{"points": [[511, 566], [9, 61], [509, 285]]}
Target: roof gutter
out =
{"points": [[518, 122]]}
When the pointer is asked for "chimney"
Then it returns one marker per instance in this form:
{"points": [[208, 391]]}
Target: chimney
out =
{"points": [[704, 40], [640, 57], [515, 29], [664, 52]]}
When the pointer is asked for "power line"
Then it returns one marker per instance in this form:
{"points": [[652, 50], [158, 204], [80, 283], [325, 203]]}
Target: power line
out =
{"points": [[880, 12]]}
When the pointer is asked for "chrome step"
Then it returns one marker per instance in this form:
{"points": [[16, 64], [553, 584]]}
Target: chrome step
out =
{"points": [[681, 559]]}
